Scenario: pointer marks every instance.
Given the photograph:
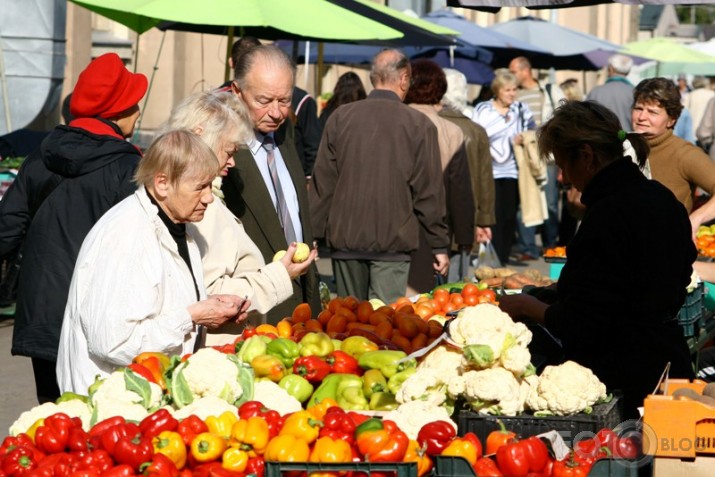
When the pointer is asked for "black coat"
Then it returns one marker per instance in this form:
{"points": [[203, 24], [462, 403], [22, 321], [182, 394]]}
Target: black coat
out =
{"points": [[625, 280], [96, 172]]}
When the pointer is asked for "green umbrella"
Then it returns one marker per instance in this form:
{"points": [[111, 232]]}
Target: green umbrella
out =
{"points": [[315, 19], [672, 57]]}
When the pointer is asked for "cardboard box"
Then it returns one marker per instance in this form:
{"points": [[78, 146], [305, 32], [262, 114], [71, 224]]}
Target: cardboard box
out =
{"points": [[672, 467]]}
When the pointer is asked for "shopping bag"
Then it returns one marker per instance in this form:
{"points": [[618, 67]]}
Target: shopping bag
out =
{"points": [[487, 256]]}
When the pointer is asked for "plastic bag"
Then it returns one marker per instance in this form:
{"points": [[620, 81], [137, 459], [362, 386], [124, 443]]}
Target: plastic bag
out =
{"points": [[487, 256]]}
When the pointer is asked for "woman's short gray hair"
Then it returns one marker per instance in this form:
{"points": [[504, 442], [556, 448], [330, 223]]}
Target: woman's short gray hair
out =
{"points": [[502, 77], [178, 154], [456, 96], [219, 118]]}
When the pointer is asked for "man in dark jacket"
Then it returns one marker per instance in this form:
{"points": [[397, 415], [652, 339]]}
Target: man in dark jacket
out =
{"points": [[307, 128], [376, 181], [79, 172]]}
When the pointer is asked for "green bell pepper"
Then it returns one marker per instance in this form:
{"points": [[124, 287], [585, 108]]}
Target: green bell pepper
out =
{"points": [[316, 344], [383, 402], [252, 347], [357, 345], [349, 393], [336, 344], [284, 349], [297, 386], [69, 396], [385, 361], [373, 382], [395, 382], [328, 388]]}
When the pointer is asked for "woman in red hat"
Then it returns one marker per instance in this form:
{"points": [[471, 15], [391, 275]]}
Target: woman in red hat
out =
{"points": [[78, 173]]}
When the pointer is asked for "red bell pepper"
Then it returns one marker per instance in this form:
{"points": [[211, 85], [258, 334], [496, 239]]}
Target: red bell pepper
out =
{"points": [[97, 460], [312, 368], [122, 470], [474, 439], [435, 436], [381, 441], [158, 422], [133, 450], [257, 466], [571, 467], [486, 467], [10, 442], [214, 469], [96, 432], [256, 409], [337, 424], [53, 435], [143, 371], [160, 466], [78, 440], [341, 362], [357, 417], [110, 437], [19, 461], [518, 458], [190, 427]]}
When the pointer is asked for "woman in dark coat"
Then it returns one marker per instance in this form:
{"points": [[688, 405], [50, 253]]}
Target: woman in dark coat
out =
{"points": [[78, 173], [628, 265]]}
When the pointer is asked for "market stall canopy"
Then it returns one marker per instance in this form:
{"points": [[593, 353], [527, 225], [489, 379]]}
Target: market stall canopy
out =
{"points": [[494, 6], [270, 19], [568, 46], [471, 35], [672, 57]]}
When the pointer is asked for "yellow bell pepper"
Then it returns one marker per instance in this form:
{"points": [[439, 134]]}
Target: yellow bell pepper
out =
{"points": [[222, 425], [234, 459], [207, 447], [318, 410], [250, 435], [287, 448], [415, 453], [171, 444], [33, 428], [327, 449], [303, 425]]}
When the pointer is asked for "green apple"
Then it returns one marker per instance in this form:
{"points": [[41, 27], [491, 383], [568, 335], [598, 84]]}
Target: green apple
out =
{"points": [[279, 254], [302, 252]]}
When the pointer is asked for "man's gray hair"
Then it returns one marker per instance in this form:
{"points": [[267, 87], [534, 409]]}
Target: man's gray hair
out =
{"points": [[386, 66], [270, 53], [621, 64]]}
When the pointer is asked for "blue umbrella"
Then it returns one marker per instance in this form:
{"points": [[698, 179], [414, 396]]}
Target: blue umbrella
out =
{"points": [[567, 46]]}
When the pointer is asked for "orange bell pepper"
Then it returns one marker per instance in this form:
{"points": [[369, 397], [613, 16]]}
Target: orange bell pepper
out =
{"points": [[319, 410], [462, 448], [156, 363], [250, 435], [303, 425], [381, 441], [416, 453], [327, 449], [287, 448]]}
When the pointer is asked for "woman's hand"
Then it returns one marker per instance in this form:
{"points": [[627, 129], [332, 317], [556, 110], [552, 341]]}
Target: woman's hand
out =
{"points": [[297, 269], [523, 307], [218, 309], [518, 140]]}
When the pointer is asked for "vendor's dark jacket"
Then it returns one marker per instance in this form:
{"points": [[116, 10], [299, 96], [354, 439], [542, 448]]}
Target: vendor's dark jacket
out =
{"points": [[624, 281], [95, 173]]}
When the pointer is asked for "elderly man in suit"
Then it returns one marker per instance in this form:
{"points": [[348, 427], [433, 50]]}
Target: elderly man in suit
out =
{"points": [[267, 189]]}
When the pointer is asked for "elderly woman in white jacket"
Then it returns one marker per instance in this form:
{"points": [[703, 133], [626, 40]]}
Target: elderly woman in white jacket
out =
{"points": [[137, 284], [232, 263]]}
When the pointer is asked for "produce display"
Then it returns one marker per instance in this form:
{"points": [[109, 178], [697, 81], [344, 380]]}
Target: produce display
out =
{"points": [[705, 240], [510, 279], [339, 387], [555, 252]]}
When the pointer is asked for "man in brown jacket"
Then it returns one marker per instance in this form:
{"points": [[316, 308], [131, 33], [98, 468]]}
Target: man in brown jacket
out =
{"points": [[376, 180]]}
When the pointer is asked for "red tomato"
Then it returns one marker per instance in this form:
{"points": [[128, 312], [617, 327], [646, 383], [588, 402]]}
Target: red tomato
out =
{"points": [[470, 289], [457, 299], [471, 300], [487, 296]]}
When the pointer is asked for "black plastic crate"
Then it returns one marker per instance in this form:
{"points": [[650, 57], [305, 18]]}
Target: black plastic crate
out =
{"points": [[358, 469], [692, 314], [607, 415], [459, 467]]}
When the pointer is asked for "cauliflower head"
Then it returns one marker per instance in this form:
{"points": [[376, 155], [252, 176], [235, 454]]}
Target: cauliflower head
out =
{"points": [[493, 391], [73, 408], [516, 359], [120, 388], [486, 324], [275, 397], [205, 407], [447, 361], [566, 389], [209, 372], [425, 385], [411, 416]]}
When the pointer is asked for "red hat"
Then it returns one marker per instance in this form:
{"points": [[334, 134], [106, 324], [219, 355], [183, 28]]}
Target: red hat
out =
{"points": [[106, 88]]}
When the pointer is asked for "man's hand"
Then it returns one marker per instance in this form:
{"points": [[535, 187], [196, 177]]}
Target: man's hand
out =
{"points": [[297, 269], [441, 263], [483, 234]]}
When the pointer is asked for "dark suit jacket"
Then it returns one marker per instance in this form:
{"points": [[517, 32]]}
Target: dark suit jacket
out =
{"points": [[248, 198]]}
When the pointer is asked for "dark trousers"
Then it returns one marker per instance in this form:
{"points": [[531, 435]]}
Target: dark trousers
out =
{"points": [[506, 202], [45, 380]]}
